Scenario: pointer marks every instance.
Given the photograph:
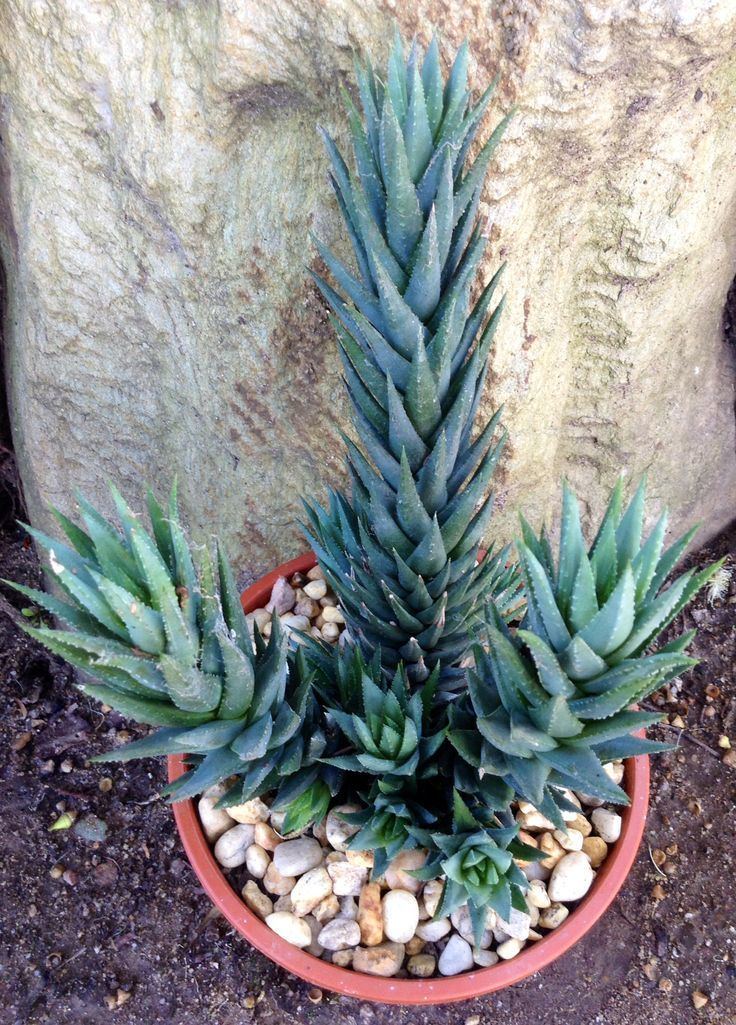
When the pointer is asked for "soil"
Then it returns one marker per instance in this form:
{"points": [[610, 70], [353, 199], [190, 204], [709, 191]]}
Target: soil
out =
{"points": [[105, 921]]}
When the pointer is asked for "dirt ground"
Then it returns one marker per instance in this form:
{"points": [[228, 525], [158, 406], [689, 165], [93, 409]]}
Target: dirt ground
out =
{"points": [[105, 922]]}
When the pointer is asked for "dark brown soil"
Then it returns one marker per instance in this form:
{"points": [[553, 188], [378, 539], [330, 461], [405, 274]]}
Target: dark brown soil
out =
{"points": [[127, 925]]}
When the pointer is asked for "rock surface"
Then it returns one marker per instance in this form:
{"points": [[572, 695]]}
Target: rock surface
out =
{"points": [[155, 231]]}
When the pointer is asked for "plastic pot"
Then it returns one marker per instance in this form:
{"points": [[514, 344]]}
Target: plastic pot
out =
{"points": [[533, 957]]}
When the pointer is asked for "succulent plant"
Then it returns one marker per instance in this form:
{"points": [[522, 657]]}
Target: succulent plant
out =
{"points": [[549, 706], [167, 644], [401, 553], [477, 861], [386, 733]]}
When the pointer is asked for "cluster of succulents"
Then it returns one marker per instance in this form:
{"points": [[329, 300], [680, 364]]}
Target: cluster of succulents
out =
{"points": [[469, 679]]}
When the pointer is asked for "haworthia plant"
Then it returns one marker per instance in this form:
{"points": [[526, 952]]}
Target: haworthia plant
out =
{"points": [[477, 862], [163, 639], [401, 552], [549, 706]]}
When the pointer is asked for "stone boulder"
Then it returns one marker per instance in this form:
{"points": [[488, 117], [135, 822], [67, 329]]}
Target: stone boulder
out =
{"points": [[160, 173]]}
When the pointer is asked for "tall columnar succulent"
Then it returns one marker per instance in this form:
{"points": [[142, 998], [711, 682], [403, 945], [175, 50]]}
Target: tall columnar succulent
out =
{"points": [[167, 644], [401, 552], [549, 706]]}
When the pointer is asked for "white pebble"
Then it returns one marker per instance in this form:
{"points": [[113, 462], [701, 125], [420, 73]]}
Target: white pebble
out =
{"points": [[484, 958], [315, 589], [257, 861], [400, 915], [518, 925], [509, 948], [434, 930], [339, 831], [569, 840], [339, 934], [295, 857], [607, 824], [571, 877], [215, 821], [290, 928], [456, 957], [231, 847], [537, 894]]}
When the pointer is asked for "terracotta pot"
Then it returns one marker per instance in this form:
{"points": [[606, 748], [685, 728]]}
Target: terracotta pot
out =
{"points": [[535, 956]]}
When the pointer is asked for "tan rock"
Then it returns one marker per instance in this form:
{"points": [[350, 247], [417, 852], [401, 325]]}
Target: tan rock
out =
{"points": [[421, 966], [384, 960], [257, 861], [415, 946], [327, 909], [283, 903], [397, 873], [266, 836], [431, 895], [509, 948], [581, 824], [310, 889], [250, 812], [342, 958], [551, 848], [361, 859], [319, 831], [370, 915], [347, 879], [596, 849], [553, 916], [258, 902], [277, 884]]}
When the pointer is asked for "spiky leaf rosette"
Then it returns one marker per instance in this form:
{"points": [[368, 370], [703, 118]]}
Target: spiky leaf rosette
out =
{"points": [[477, 860], [548, 707], [387, 733], [167, 644], [401, 555]]}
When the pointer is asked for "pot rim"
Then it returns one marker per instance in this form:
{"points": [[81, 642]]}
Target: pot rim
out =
{"points": [[440, 990]]}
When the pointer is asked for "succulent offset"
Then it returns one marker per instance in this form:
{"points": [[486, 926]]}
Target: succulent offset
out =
{"points": [[477, 861], [401, 552], [550, 705], [168, 645]]}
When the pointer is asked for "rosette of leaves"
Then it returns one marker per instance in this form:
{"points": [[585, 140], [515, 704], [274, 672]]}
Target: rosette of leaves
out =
{"points": [[477, 861], [401, 553], [383, 748], [386, 735], [548, 707], [166, 642]]}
